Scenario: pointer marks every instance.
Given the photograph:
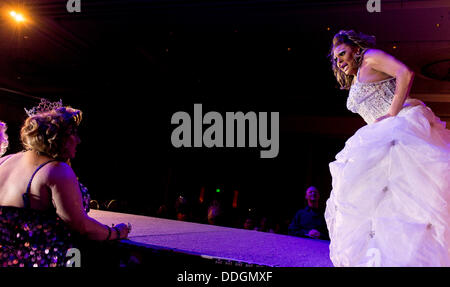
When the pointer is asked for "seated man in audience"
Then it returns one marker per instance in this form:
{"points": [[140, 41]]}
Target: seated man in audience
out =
{"points": [[309, 222]]}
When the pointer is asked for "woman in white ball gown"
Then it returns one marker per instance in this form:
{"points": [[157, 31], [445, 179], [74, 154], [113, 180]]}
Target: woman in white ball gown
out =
{"points": [[390, 201]]}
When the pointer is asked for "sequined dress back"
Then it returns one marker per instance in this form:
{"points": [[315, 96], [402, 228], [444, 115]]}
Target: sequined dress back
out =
{"points": [[32, 238]]}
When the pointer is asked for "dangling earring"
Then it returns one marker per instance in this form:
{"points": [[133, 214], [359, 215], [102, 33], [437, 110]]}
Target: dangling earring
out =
{"points": [[357, 56]]}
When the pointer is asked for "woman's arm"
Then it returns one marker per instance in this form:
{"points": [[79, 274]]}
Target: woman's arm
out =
{"points": [[67, 199], [383, 62]]}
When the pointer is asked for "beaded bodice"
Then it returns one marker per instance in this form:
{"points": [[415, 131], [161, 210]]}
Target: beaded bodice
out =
{"points": [[371, 100]]}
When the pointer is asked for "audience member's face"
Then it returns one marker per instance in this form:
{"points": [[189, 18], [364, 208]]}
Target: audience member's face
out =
{"points": [[263, 221], [248, 224], [312, 195], [182, 216], [213, 212]]}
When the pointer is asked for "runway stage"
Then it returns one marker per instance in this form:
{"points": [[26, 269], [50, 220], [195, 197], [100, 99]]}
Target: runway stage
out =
{"points": [[220, 243]]}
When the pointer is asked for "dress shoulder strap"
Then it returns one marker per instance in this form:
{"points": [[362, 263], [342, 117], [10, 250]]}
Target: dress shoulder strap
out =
{"points": [[26, 195]]}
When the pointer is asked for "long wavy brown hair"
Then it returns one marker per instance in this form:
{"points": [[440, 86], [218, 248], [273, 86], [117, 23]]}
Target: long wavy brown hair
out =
{"points": [[47, 133], [354, 39]]}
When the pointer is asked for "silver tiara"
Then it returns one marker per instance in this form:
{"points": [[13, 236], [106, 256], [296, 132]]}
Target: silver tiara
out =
{"points": [[43, 107]]}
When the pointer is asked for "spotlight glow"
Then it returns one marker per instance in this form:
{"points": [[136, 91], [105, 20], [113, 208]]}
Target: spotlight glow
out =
{"points": [[18, 17]]}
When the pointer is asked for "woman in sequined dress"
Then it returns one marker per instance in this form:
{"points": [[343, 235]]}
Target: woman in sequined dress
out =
{"points": [[390, 201], [41, 208]]}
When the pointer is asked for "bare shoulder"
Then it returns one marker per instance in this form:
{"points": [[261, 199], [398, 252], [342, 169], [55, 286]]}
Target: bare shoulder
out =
{"points": [[375, 56], [384, 64], [5, 158], [56, 173], [371, 53]]}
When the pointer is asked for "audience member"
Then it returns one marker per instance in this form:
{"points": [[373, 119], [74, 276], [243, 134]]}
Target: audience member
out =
{"points": [[215, 213], [182, 209], [249, 223], [266, 225], [250, 219], [162, 211], [309, 221]]}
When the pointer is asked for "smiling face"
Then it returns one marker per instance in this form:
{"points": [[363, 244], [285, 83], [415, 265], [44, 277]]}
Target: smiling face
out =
{"points": [[312, 194], [312, 197], [344, 58]]}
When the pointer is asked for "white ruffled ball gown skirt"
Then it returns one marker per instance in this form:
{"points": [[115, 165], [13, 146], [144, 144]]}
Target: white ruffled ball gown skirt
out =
{"points": [[390, 201]]}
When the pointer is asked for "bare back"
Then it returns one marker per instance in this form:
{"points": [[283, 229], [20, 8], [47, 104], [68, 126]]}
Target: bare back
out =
{"points": [[15, 173]]}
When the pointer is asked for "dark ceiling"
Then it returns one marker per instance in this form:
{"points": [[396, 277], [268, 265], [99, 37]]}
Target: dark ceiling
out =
{"points": [[235, 48], [129, 65]]}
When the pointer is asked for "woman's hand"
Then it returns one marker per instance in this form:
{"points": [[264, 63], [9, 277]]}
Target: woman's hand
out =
{"points": [[123, 230]]}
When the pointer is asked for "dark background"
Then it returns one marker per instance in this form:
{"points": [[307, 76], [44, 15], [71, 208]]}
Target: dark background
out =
{"points": [[130, 65]]}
